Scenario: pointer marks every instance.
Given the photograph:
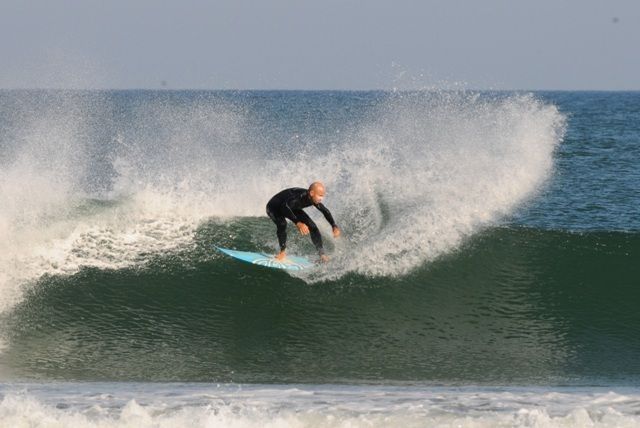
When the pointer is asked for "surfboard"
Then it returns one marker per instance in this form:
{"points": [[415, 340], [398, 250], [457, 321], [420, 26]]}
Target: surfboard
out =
{"points": [[266, 260]]}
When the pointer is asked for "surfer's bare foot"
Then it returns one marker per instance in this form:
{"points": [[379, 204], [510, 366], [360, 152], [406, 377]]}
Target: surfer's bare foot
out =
{"points": [[324, 258], [281, 255]]}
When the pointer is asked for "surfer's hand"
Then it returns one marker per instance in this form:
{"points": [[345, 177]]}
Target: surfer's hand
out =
{"points": [[336, 232], [302, 228]]}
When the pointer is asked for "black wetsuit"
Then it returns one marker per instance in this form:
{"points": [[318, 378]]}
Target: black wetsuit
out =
{"points": [[288, 204]]}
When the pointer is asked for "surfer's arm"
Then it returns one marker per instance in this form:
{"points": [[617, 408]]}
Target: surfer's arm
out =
{"points": [[327, 214]]}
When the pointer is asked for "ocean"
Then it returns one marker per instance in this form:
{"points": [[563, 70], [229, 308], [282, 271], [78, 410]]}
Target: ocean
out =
{"points": [[487, 275]]}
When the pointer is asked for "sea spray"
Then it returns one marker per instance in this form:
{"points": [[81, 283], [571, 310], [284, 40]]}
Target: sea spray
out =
{"points": [[84, 184], [42, 165], [430, 169], [108, 179]]}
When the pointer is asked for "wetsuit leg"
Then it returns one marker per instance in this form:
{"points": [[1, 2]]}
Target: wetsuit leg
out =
{"points": [[281, 223], [316, 238]]}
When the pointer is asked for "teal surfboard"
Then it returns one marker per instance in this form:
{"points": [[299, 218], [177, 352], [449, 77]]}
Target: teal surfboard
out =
{"points": [[266, 260]]}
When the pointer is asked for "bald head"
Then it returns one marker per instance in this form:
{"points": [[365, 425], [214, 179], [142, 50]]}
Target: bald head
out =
{"points": [[316, 185], [316, 192]]}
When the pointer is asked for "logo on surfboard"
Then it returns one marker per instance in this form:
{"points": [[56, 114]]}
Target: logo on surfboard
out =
{"points": [[273, 263]]}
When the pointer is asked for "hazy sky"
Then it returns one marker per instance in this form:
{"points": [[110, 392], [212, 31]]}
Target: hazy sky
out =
{"points": [[321, 44]]}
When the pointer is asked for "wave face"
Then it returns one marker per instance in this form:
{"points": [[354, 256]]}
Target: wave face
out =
{"points": [[112, 202], [511, 306]]}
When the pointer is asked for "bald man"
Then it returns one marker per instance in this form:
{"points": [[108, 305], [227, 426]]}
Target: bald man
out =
{"points": [[288, 204]]}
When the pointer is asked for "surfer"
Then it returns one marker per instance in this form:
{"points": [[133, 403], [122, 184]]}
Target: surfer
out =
{"points": [[288, 204]]}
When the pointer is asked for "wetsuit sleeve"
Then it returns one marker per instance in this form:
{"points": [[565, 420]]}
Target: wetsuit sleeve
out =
{"points": [[327, 214]]}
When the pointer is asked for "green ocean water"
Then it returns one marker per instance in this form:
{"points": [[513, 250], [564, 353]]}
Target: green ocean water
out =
{"points": [[489, 239], [514, 306]]}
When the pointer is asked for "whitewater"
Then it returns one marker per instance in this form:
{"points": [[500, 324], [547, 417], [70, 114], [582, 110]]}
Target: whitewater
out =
{"points": [[319, 406]]}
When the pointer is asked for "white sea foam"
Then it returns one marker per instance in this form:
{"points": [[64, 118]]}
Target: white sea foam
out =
{"points": [[256, 406]]}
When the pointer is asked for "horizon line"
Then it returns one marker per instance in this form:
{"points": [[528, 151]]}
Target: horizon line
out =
{"points": [[427, 89]]}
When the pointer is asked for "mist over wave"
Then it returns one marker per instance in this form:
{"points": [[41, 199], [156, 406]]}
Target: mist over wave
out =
{"points": [[110, 179]]}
